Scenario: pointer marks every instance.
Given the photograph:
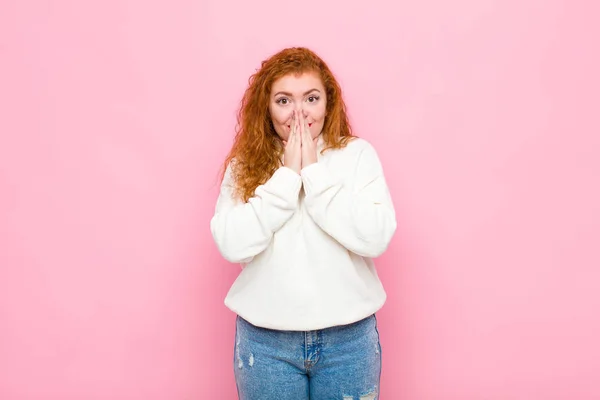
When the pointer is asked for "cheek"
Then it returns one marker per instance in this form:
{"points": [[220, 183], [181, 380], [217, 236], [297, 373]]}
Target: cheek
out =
{"points": [[320, 113], [279, 123], [278, 117], [319, 122]]}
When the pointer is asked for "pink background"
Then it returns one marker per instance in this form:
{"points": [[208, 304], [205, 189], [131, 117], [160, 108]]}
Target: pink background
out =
{"points": [[115, 116]]}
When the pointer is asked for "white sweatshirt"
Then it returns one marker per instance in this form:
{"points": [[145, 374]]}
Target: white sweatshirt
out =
{"points": [[306, 242]]}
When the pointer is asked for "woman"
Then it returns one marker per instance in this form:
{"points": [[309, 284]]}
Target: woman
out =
{"points": [[303, 207]]}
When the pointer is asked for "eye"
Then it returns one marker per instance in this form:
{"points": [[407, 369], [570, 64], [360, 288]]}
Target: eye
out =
{"points": [[313, 99], [282, 101]]}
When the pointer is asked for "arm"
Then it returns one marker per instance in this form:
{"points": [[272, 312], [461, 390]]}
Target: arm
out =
{"points": [[243, 230], [362, 218]]}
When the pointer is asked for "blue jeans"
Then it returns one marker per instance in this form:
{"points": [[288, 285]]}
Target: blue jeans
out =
{"points": [[341, 363]]}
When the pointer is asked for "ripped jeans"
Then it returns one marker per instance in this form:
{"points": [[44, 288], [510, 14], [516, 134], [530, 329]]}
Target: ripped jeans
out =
{"points": [[342, 362]]}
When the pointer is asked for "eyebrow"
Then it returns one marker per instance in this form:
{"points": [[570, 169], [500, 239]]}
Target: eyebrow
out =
{"points": [[305, 93]]}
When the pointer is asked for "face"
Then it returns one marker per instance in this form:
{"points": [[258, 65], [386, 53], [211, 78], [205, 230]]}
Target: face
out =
{"points": [[304, 93]]}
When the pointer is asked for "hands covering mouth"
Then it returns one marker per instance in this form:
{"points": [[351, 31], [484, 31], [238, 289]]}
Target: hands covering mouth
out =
{"points": [[300, 148]]}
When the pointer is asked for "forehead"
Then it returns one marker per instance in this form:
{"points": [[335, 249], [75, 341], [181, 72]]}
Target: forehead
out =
{"points": [[298, 84]]}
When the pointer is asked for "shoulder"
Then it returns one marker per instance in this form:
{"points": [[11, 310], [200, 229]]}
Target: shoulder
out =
{"points": [[358, 147], [358, 154], [364, 156], [359, 144]]}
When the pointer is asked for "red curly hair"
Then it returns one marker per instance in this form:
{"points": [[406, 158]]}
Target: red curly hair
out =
{"points": [[257, 149]]}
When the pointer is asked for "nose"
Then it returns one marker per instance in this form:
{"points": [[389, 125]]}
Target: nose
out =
{"points": [[300, 109]]}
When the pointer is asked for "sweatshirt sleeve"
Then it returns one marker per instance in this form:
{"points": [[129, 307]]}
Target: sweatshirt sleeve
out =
{"points": [[243, 230], [361, 218]]}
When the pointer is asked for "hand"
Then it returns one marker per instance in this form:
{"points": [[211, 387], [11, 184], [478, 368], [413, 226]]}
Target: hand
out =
{"points": [[309, 145], [292, 155]]}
